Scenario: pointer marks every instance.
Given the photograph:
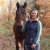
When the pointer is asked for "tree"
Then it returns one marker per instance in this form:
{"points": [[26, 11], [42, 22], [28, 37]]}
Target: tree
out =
{"points": [[9, 11]]}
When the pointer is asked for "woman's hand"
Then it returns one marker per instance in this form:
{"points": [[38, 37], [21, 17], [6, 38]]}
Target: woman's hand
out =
{"points": [[33, 45]]}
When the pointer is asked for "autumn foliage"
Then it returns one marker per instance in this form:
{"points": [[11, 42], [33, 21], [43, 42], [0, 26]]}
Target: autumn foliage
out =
{"points": [[8, 10]]}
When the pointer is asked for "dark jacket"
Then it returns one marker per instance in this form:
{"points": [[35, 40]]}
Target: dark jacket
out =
{"points": [[33, 31]]}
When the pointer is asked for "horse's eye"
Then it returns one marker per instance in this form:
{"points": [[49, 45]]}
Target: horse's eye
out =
{"points": [[24, 12]]}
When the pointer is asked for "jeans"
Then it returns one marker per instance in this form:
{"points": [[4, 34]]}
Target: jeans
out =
{"points": [[28, 47]]}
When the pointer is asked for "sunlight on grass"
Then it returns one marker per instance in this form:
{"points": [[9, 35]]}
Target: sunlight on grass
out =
{"points": [[45, 43], [6, 28], [13, 49]]}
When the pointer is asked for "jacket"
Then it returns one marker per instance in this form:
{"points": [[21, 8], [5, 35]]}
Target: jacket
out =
{"points": [[33, 31]]}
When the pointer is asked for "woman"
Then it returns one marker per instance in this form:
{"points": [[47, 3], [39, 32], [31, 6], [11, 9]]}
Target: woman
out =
{"points": [[33, 29]]}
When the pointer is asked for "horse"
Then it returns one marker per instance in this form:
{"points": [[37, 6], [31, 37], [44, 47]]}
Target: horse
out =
{"points": [[21, 16]]}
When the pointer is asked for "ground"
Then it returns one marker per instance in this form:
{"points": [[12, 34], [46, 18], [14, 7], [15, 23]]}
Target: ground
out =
{"points": [[7, 40]]}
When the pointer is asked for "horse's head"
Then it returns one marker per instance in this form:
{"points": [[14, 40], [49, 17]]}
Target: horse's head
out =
{"points": [[21, 13]]}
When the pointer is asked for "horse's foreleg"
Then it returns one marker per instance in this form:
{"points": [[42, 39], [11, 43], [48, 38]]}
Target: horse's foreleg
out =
{"points": [[16, 43], [17, 47], [21, 45]]}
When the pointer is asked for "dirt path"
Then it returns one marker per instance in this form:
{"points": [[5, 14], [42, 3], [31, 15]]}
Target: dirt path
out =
{"points": [[7, 43]]}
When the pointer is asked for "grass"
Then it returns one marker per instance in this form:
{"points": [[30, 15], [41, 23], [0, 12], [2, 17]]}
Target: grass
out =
{"points": [[13, 48], [8, 22], [6, 28], [45, 43]]}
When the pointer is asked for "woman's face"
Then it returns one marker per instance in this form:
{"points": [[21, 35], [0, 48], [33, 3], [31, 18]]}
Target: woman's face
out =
{"points": [[34, 14]]}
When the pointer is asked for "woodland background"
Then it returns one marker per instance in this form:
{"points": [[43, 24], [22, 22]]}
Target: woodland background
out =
{"points": [[7, 15]]}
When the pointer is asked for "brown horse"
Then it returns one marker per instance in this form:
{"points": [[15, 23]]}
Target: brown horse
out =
{"points": [[20, 17]]}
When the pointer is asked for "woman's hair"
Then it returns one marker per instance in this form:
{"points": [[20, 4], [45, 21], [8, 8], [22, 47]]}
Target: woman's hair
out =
{"points": [[34, 10]]}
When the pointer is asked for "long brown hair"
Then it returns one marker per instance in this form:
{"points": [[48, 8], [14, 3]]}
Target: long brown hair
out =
{"points": [[37, 12]]}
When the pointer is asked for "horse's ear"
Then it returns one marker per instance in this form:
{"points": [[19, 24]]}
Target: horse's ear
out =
{"points": [[17, 5], [25, 4]]}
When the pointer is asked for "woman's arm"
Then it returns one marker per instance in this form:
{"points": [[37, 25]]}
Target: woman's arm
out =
{"points": [[39, 31]]}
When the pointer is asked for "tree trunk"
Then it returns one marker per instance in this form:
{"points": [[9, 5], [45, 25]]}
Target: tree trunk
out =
{"points": [[9, 11]]}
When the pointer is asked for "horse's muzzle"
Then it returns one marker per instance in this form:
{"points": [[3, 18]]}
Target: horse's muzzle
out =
{"points": [[19, 27]]}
